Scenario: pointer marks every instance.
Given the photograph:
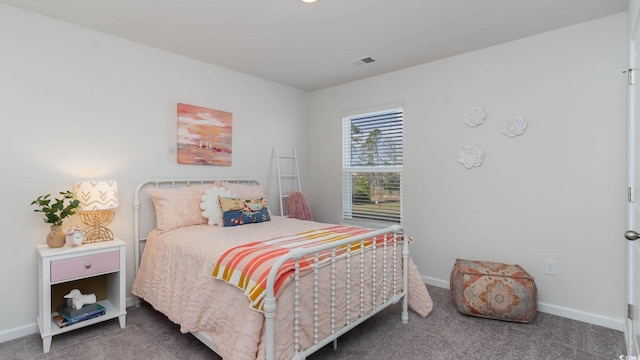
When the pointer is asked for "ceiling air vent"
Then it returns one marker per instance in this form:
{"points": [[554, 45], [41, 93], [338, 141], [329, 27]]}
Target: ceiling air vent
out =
{"points": [[362, 61]]}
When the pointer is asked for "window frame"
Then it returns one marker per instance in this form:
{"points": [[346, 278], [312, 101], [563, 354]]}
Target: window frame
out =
{"points": [[348, 169]]}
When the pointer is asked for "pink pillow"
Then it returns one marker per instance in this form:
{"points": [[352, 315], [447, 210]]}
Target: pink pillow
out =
{"points": [[178, 207], [245, 190]]}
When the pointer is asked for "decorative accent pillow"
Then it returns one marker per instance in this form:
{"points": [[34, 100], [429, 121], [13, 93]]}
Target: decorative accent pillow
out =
{"points": [[178, 207], [210, 204], [240, 211]]}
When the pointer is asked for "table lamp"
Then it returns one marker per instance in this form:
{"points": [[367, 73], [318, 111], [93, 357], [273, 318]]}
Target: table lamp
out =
{"points": [[97, 201]]}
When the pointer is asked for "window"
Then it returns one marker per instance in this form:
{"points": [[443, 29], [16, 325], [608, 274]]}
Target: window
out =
{"points": [[372, 147]]}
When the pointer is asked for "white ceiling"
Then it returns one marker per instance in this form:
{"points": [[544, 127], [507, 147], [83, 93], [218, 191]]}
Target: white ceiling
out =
{"points": [[308, 46]]}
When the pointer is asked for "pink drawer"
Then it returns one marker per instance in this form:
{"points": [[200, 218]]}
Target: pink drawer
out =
{"points": [[85, 266]]}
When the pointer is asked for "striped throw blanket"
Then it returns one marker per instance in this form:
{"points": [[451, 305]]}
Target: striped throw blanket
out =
{"points": [[247, 266]]}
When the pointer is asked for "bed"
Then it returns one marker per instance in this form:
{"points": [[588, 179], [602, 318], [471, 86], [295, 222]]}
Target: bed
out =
{"points": [[275, 288]]}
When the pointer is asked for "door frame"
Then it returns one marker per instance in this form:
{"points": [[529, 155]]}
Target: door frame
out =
{"points": [[632, 279]]}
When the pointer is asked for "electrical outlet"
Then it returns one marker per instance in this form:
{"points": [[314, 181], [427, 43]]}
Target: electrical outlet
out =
{"points": [[550, 267]]}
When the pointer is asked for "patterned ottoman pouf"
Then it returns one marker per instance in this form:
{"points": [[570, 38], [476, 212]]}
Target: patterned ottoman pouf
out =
{"points": [[494, 290]]}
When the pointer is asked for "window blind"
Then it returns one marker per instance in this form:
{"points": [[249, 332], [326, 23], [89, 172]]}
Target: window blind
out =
{"points": [[372, 166]]}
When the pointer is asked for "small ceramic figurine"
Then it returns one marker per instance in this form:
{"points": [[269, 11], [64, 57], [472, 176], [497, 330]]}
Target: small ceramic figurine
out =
{"points": [[76, 299], [75, 237]]}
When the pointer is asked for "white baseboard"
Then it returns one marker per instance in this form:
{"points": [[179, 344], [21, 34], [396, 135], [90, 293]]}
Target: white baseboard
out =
{"points": [[616, 324], [19, 332], [436, 282], [611, 323]]}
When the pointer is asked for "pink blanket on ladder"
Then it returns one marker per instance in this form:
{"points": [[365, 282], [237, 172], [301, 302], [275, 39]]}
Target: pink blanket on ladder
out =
{"points": [[298, 207]]}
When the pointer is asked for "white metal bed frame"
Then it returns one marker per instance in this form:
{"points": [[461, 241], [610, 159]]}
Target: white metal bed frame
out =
{"points": [[296, 254]]}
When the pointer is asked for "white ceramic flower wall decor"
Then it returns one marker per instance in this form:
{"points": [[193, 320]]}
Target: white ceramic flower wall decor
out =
{"points": [[514, 126], [474, 116], [470, 156]]}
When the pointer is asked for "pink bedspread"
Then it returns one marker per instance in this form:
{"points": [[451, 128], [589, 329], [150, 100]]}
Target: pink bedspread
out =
{"points": [[175, 277]]}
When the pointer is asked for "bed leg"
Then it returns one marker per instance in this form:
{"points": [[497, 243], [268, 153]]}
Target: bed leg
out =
{"points": [[269, 317], [405, 276], [335, 344], [405, 312], [136, 301]]}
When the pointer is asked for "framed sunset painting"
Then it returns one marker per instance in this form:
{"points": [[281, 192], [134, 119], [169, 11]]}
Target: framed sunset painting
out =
{"points": [[204, 136]]}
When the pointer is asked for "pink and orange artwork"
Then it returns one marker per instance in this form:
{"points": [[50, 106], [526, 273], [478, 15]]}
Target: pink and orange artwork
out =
{"points": [[204, 136]]}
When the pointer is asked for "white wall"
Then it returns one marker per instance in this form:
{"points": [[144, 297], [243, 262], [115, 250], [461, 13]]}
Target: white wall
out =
{"points": [[78, 104], [556, 192]]}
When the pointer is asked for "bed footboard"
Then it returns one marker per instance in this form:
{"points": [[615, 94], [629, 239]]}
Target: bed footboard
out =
{"points": [[353, 316]]}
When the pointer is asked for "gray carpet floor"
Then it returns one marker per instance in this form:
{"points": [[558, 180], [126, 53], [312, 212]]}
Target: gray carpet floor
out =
{"points": [[445, 334]]}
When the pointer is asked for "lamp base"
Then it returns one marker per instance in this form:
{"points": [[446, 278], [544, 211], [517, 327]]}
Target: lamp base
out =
{"points": [[96, 230]]}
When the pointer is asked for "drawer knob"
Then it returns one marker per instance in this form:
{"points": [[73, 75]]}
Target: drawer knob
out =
{"points": [[87, 266]]}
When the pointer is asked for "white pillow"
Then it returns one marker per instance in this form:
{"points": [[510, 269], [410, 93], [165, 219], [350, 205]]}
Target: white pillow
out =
{"points": [[210, 204]]}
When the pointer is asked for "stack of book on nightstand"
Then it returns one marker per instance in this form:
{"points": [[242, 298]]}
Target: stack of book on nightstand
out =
{"points": [[68, 316]]}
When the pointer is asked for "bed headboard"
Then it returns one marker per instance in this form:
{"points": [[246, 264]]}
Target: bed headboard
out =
{"points": [[144, 219]]}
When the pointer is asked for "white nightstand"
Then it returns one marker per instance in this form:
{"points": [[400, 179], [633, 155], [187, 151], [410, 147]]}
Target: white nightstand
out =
{"points": [[65, 265]]}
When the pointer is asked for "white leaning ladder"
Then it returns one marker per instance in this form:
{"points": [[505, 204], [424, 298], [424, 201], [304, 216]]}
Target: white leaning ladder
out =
{"points": [[294, 175]]}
